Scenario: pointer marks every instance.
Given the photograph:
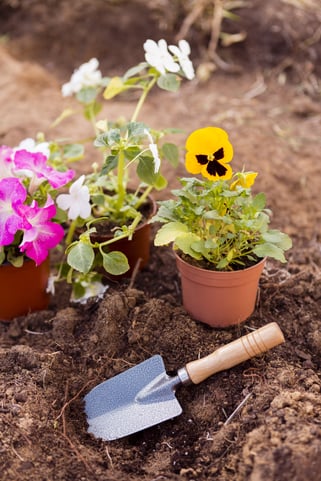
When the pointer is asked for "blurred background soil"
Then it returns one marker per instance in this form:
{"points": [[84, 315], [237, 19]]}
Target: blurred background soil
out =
{"points": [[258, 77]]}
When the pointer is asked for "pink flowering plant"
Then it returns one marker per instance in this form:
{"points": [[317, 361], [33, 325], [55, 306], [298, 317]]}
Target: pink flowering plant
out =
{"points": [[29, 183], [132, 155]]}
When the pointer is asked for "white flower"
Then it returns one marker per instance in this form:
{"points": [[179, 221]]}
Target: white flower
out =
{"points": [[87, 75], [77, 202], [182, 53], [154, 150], [31, 146], [92, 289], [51, 284], [158, 56]]}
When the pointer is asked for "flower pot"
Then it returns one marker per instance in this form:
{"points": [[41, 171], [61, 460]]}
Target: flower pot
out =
{"points": [[137, 250], [217, 298], [23, 289]]}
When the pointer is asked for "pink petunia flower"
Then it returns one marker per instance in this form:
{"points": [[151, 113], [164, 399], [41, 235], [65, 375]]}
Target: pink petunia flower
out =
{"points": [[43, 234], [12, 196], [34, 165]]}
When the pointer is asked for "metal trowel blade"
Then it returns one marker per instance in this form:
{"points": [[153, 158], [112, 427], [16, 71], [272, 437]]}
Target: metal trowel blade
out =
{"points": [[134, 400]]}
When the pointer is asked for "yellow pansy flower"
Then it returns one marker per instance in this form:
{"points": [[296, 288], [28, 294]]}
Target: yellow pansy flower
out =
{"points": [[244, 179], [209, 153]]}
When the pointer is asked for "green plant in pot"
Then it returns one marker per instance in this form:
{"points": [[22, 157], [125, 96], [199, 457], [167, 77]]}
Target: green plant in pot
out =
{"points": [[110, 205], [220, 232]]}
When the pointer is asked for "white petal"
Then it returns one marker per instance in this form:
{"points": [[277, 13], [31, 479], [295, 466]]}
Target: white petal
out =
{"points": [[94, 289], [85, 210], [76, 186], [64, 201], [157, 162], [150, 46], [185, 47], [73, 212], [66, 89], [27, 144]]}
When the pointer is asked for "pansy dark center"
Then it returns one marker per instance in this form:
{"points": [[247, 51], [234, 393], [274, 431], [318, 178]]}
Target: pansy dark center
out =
{"points": [[213, 166]]}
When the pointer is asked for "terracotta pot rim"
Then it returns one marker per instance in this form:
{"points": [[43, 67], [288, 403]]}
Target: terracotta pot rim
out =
{"points": [[26, 260], [221, 273]]}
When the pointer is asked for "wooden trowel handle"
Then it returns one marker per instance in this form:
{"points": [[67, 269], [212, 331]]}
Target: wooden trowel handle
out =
{"points": [[235, 352]]}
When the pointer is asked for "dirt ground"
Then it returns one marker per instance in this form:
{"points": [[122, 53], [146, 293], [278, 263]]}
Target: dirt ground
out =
{"points": [[51, 359]]}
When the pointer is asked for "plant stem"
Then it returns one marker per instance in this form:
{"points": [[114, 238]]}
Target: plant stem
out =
{"points": [[125, 235], [143, 98], [141, 199], [120, 179], [92, 118], [71, 232]]}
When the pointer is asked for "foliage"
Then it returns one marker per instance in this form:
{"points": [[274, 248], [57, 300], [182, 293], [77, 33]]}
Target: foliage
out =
{"points": [[218, 220], [130, 150]]}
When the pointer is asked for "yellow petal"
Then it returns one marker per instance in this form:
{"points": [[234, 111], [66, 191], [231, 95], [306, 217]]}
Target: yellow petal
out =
{"points": [[191, 164], [245, 180], [249, 179], [207, 140]]}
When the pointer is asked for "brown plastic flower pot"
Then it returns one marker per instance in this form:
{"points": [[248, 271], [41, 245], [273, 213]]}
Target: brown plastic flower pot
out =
{"points": [[137, 250], [219, 299], [23, 289]]}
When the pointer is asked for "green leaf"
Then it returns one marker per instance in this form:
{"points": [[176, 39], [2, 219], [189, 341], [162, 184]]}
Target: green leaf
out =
{"points": [[222, 264], [2, 255], [97, 199], [160, 183], [146, 173], [210, 244], [109, 164], [269, 250], [78, 290], [213, 215], [16, 261], [171, 153], [145, 170], [186, 242], [87, 95], [73, 152], [135, 130], [279, 238], [115, 87], [115, 262], [169, 81], [107, 139], [135, 70], [169, 232], [92, 109], [81, 257], [259, 201]]}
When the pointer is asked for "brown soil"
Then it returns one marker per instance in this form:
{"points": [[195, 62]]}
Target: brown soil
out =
{"points": [[51, 359]]}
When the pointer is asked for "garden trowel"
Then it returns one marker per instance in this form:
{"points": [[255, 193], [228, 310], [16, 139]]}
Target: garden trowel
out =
{"points": [[144, 395]]}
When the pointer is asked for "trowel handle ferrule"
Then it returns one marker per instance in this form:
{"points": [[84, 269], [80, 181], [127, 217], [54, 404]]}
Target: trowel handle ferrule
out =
{"points": [[235, 352]]}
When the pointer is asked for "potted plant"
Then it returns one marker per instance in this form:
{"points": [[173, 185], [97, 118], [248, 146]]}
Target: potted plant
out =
{"points": [[108, 199], [220, 232], [29, 184]]}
